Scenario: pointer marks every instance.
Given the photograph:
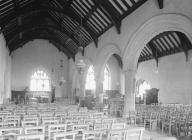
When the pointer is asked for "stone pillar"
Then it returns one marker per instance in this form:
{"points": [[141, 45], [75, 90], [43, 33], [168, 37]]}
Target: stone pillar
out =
{"points": [[81, 84], [129, 100], [99, 87]]}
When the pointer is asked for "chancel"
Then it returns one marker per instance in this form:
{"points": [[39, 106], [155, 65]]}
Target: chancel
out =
{"points": [[95, 70]]}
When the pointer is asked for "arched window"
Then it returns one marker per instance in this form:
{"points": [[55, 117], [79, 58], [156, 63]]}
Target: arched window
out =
{"points": [[143, 87], [107, 79], [90, 80], [40, 81]]}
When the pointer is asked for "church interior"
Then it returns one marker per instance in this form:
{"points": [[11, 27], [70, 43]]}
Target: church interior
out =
{"points": [[95, 70]]}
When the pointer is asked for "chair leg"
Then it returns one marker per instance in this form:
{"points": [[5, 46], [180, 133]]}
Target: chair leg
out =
{"points": [[162, 128], [169, 130]]}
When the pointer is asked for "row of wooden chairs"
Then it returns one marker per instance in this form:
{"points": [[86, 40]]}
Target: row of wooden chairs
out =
{"points": [[118, 134], [176, 120]]}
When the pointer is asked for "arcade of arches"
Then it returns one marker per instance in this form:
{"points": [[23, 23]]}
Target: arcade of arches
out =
{"points": [[113, 68]]}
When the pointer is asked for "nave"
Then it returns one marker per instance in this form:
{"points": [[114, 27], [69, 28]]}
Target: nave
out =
{"points": [[95, 69]]}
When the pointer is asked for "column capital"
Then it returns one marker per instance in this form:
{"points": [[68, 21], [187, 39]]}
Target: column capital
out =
{"points": [[129, 71]]}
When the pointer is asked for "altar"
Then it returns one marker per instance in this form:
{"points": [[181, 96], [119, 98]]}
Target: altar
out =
{"points": [[39, 96]]}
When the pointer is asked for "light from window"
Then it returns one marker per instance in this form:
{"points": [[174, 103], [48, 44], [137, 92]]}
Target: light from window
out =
{"points": [[107, 79], [90, 80], [142, 88], [40, 81]]}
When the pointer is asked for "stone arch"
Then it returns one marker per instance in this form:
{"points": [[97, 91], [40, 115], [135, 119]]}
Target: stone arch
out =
{"points": [[88, 63], [75, 81], [103, 56], [151, 28], [105, 53]]}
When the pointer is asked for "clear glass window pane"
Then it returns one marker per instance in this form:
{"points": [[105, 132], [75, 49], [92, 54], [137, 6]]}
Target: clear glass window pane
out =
{"points": [[107, 79], [90, 79]]}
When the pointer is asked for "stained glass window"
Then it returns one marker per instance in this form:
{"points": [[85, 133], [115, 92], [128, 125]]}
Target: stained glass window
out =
{"points": [[40, 81]]}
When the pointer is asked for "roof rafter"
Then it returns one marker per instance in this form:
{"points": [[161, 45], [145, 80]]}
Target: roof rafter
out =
{"points": [[66, 11], [115, 18], [32, 9], [16, 4], [160, 3], [184, 44], [28, 27], [16, 44], [154, 51]]}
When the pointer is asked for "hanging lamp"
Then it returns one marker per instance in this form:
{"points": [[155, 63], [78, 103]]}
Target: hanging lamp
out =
{"points": [[80, 63]]}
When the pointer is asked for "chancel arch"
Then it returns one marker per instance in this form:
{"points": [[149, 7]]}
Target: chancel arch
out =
{"points": [[150, 29]]}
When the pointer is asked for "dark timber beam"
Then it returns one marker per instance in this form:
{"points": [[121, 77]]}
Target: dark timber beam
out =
{"points": [[67, 11], [17, 43], [69, 2], [28, 27], [184, 44], [34, 28], [115, 18], [16, 5], [154, 51], [53, 35], [160, 3], [39, 8], [91, 12], [58, 24]]}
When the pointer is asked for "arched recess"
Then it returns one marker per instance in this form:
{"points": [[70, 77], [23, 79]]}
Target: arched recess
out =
{"points": [[105, 53], [88, 63], [78, 81], [151, 28]]}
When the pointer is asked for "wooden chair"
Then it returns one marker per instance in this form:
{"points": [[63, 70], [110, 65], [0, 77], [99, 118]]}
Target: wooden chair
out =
{"points": [[11, 131], [102, 126], [29, 123], [189, 123], [80, 127], [117, 134], [182, 124], [8, 124], [152, 120], [48, 122], [31, 137], [134, 133], [170, 124], [120, 125], [93, 135], [34, 130], [65, 136], [56, 129], [30, 118], [131, 118], [7, 137]]}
